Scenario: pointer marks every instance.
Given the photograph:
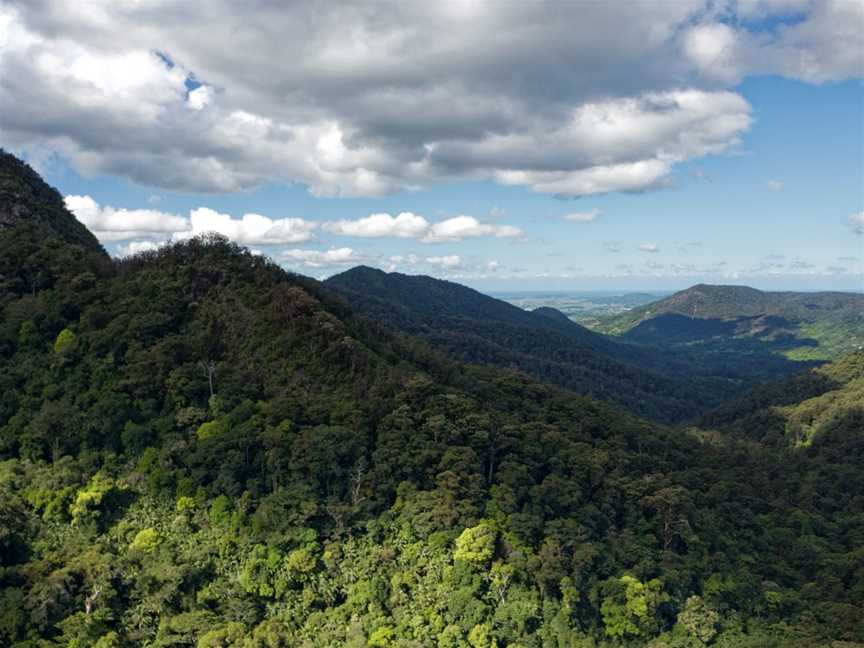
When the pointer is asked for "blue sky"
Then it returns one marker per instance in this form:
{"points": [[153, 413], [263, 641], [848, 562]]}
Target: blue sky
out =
{"points": [[740, 167]]}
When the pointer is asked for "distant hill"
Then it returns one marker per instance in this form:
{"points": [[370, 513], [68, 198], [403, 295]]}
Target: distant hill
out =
{"points": [[801, 325], [552, 313], [544, 343]]}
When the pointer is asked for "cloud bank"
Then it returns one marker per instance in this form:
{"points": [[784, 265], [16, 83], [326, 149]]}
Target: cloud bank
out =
{"points": [[364, 99]]}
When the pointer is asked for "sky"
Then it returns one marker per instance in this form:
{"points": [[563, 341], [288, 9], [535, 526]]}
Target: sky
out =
{"points": [[504, 145]]}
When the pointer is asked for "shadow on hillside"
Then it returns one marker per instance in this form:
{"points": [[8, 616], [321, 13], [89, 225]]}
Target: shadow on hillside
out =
{"points": [[743, 348]]}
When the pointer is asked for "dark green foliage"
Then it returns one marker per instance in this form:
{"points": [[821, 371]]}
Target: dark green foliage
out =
{"points": [[198, 449]]}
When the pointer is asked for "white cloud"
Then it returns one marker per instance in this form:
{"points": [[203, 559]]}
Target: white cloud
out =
{"points": [[713, 49], [134, 247], [113, 224], [582, 217], [856, 221], [774, 185], [322, 259], [409, 225], [251, 229], [405, 225], [824, 45], [200, 97], [598, 97], [460, 227], [649, 247], [449, 261]]}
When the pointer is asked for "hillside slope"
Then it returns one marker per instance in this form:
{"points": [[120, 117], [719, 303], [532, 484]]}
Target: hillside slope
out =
{"points": [[802, 326]]}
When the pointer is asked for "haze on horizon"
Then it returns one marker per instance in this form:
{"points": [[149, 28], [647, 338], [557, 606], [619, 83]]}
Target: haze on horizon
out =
{"points": [[542, 146]]}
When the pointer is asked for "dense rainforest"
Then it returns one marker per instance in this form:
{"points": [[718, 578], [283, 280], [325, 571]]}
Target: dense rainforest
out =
{"points": [[198, 448]]}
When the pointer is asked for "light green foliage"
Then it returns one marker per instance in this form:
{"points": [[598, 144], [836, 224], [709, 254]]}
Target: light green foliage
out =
{"points": [[66, 343], [699, 619], [381, 637], [145, 541], [229, 636], [108, 640], [630, 606], [88, 499], [209, 430], [481, 636], [185, 504], [301, 561], [476, 545]]}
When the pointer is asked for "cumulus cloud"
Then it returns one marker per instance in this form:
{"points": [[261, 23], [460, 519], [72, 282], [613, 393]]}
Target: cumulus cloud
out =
{"points": [[774, 185], [113, 224], [649, 247], [822, 44], [582, 217], [856, 222], [460, 227], [333, 257], [251, 229], [408, 225], [378, 98], [405, 225], [449, 261], [134, 247]]}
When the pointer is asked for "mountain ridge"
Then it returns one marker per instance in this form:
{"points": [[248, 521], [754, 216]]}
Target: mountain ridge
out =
{"points": [[478, 328], [819, 325]]}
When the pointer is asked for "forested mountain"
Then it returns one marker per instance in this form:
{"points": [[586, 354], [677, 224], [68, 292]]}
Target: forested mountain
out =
{"points": [[738, 319], [200, 449], [664, 385]]}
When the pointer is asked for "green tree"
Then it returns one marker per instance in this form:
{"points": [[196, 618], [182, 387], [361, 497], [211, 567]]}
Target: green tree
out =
{"points": [[476, 545], [66, 343], [629, 607]]}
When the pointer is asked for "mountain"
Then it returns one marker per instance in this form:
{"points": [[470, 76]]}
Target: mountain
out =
{"points": [[801, 326], [199, 449], [544, 343]]}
